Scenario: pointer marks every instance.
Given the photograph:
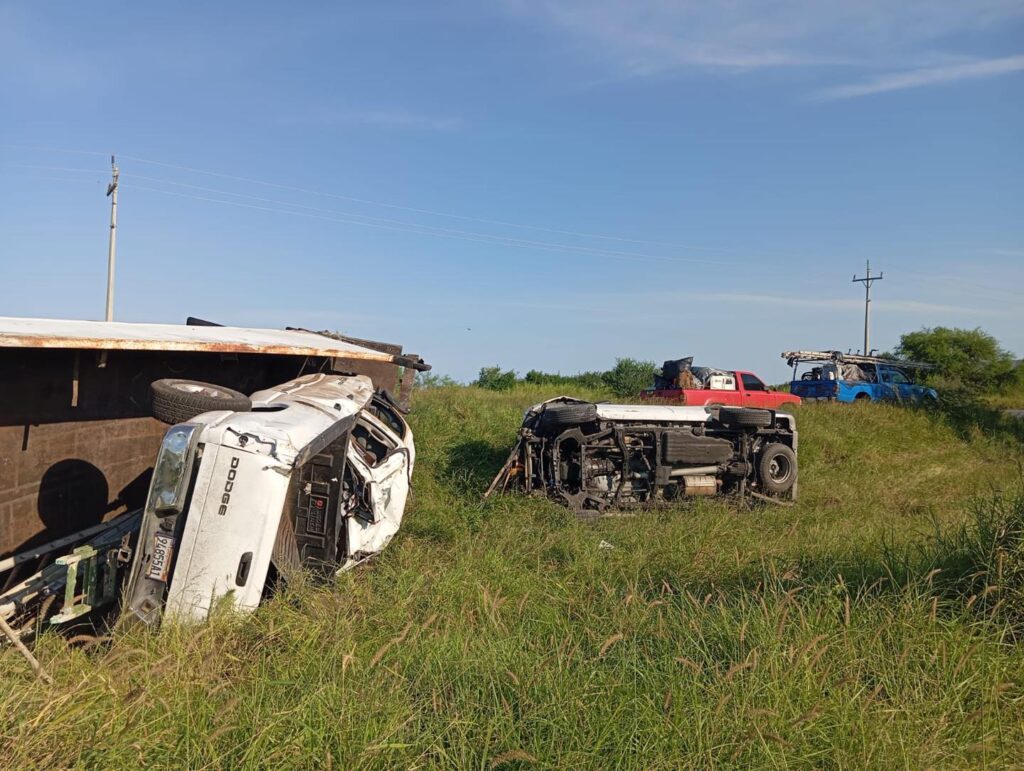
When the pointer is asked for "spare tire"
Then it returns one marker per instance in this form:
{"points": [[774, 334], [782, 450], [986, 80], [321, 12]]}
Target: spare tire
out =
{"points": [[175, 401], [777, 469], [556, 416], [745, 417]]}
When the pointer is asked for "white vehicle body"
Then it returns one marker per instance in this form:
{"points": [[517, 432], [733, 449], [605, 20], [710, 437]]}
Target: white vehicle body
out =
{"points": [[650, 413], [602, 457], [315, 476]]}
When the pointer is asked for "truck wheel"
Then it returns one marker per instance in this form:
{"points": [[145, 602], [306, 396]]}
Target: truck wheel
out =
{"points": [[862, 397], [777, 469], [557, 416], [744, 417], [175, 401]]}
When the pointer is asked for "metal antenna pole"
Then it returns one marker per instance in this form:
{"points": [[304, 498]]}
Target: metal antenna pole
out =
{"points": [[867, 281], [112, 249]]}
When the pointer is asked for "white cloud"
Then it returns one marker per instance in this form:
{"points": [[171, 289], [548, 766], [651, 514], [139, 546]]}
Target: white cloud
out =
{"points": [[595, 302], [647, 37], [845, 303], [926, 76]]}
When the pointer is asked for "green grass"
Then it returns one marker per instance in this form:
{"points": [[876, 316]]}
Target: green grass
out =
{"points": [[501, 634], [1010, 398]]}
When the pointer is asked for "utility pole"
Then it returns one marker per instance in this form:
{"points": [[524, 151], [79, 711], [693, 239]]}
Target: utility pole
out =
{"points": [[112, 249], [867, 281]]}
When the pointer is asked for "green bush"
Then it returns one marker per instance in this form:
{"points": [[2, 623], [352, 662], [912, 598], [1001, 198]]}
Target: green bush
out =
{"points": [[969, 357], [629, 376], [495, 379], [433, 380], [582, 379]]}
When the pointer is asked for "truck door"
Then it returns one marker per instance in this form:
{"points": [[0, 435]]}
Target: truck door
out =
{"points": [[900, 385], [754, 393]]}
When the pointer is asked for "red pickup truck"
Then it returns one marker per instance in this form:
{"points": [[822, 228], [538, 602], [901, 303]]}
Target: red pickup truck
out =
{"points": [[703, 386]]}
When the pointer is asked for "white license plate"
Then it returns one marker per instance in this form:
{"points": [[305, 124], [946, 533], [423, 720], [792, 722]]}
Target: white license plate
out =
{"points": [[163, 552]]}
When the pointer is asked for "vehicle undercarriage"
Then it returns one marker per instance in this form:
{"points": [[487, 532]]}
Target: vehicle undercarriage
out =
{"points": [[599, 458]]}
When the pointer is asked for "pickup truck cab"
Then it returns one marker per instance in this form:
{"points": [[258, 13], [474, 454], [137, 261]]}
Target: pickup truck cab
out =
{"points": [[682, 383], [850, 378]]}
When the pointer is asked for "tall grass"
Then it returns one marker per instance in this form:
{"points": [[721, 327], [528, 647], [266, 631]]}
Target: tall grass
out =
{"points": [[840, 632]]}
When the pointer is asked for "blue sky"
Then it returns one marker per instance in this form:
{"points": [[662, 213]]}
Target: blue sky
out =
{"points": [[534, 183]]}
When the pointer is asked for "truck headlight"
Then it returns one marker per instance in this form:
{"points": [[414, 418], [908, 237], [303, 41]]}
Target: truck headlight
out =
{"points": [[172, 470]]}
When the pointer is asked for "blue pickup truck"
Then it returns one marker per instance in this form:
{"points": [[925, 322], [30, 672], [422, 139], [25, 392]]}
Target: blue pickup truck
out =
{"points": [[842, 377]]}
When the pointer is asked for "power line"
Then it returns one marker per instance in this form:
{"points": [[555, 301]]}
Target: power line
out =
{"points": [[425, 228], [975, 289], [417, 210], [355, 218], [53, 168], [420, 230], [427, 212]]}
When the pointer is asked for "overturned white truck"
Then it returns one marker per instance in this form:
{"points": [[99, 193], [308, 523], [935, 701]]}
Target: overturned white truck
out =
{"points": [[603, 457], [313, 475], [100, 501]]}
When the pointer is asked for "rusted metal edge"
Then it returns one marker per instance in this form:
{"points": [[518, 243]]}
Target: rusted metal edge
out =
{"points": [[73, 334], [121, 344], [392, 349]]}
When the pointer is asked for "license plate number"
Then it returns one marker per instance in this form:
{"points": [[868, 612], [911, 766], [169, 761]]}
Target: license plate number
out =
{"points": [[163, 551]]}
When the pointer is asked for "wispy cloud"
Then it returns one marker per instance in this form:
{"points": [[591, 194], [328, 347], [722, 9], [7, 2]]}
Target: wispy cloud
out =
{"points": [[391, 118], [900, 306], [910, 38], [677, 301], [925, 76]]}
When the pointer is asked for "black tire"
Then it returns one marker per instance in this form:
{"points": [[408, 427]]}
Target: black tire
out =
{"points": [[175, 401], [861, 398], [777, 469], [556, 416], [745, 417]]}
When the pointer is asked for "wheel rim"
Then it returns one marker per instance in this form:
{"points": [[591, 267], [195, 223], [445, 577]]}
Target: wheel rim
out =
{"points": [[201, 390], [779, 469]]}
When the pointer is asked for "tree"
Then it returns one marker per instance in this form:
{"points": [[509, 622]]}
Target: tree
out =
{"points": [[432, 380], [970, 357], [580, 379], [494, 379], [628, 377]]}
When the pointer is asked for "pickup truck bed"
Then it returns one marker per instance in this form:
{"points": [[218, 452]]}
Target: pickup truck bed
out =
{"points": [[736, 389]]}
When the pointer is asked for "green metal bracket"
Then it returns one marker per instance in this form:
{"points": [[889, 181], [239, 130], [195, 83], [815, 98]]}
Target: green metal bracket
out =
{"points": [[91, 578]]}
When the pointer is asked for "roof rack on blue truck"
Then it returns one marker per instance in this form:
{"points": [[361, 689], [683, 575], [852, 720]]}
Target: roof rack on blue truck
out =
{"points": [[848, 377]]}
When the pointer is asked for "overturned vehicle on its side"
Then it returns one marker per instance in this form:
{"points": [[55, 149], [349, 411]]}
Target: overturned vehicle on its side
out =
{"points": [[604, 457], [312, 475], [160, 471]]}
